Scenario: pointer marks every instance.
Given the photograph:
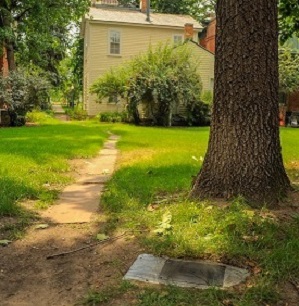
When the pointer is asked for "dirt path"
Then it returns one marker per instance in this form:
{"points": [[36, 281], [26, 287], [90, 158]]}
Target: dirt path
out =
{"points": [[28, 278]]}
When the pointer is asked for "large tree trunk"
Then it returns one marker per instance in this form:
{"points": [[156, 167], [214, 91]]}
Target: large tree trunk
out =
{"points": [[6, 23], [10, 56], [244, 154]]}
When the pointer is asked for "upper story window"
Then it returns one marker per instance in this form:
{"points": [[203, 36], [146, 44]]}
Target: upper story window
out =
{"points": [[114, 42], [178, 39]]}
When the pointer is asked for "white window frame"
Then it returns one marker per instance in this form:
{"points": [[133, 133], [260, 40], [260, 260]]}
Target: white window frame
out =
{"points": [[110, 32], [175, 39]]}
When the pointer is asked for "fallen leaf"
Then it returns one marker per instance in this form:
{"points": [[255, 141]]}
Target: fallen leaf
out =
{"points": [[256, 270], [163, 294], [152, 207], [249, 213], [167, 217], [102, 237], [159, 231], [5, 242], [250, 238], [166, 226], [41, 226]]}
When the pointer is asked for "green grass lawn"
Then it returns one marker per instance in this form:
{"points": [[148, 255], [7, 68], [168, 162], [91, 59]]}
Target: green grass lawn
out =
{"points": [[152, 181], [34, 159], [156, 167]]}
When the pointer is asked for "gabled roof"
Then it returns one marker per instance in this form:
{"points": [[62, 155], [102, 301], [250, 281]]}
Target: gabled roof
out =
{"points": [[136, 17]]}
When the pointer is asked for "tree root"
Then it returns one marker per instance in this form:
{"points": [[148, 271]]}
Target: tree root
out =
{"points": [[126, 233]]}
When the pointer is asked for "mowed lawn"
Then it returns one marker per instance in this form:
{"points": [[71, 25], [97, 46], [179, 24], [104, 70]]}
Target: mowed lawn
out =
{"points": [[154, 174], [158, 160], [34, 160], [152, 183]]}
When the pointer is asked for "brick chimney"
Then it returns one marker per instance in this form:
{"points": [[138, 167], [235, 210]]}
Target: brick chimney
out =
{"points": [[143, 6], [189, 31]]}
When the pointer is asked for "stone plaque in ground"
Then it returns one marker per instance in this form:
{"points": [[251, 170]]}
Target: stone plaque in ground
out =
{"points": [[197, 274], [193, 272]]}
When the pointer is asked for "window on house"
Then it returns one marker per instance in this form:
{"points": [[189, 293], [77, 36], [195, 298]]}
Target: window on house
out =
{"points": [[114, 42], [177, 39]]}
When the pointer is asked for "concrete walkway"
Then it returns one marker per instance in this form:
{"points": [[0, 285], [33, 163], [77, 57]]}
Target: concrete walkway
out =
{"points": [[59, 112], [80, 201]]}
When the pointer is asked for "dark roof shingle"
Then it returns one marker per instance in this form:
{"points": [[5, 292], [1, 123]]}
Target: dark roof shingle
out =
{"points": [[136, 17]]}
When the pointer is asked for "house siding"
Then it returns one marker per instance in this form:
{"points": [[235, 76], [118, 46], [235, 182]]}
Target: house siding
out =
{"points": [[134, 41], [205, 61]]}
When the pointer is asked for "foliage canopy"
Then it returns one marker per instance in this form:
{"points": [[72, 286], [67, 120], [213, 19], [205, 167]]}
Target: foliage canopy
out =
{"points": [[288, 70], [23, 91], [288, 18], [38, 31]]}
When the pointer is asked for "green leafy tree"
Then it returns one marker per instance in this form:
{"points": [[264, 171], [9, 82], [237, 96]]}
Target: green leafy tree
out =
{"points": [[38, 31], [288, 18], [70, 71], [196, 8], [288, 70], [199, 9], [24, 90], [159, 80]]}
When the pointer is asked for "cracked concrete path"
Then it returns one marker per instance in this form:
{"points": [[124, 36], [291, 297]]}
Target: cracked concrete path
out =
{"points": [[80, 201]]}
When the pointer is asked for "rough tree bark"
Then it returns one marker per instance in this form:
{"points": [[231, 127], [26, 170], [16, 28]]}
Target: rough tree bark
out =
{"points": [[5, 23], [244, 153]]}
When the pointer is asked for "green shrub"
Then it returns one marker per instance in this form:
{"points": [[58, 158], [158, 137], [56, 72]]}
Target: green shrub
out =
{"points": [[207, 97], [113, 117], [198, 114], [37, 116], [288, 70], [77, 113], [159, 80], [22, 91]]}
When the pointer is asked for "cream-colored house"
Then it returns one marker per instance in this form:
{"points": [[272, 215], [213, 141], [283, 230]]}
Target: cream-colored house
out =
{"points": [[113, 35]]}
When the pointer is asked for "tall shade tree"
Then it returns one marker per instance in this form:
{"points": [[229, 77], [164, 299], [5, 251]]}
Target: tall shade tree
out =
{"points": [[288, 18], [38, 30], [244, 154], [197, 8]]}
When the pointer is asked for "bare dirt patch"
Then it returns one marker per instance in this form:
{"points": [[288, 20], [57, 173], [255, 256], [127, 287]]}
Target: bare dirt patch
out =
{"points": [[27, 277]]}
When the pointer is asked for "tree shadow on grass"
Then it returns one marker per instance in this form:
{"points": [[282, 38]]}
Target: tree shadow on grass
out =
{"points": [[12, 191], [134, 187]]}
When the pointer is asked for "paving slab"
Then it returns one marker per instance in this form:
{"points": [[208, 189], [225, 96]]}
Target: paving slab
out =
{"points": [[79, 202], [57, 109], [181, 273]]}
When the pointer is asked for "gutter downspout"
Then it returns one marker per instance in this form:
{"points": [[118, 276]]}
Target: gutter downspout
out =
{"points": [[148, 8]]}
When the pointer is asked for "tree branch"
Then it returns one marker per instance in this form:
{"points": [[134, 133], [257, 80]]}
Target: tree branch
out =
{"points": [[21, 15]]}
